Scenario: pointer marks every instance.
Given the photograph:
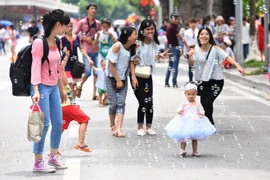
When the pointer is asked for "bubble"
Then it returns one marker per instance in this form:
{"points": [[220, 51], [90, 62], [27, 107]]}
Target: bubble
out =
{"points": [[201, 87], [15, 81], [170, 46], [149, 99], [146, 89], [146, 100], [148, 17], [234, 2], [212, 87], [141, 31], [173, 18], [143, 109], [21, 23]]}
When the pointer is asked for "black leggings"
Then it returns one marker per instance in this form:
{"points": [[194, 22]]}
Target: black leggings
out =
{"points": [[144, 95], [209, 91]]}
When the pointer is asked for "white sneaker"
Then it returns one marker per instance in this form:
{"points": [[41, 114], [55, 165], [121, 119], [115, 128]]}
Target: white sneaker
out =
{"points": [[141, 132], [151, 132]]}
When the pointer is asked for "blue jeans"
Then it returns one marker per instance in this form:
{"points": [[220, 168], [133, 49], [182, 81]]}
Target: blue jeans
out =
{"points": [[51, 107], [173, 66], [190, 73], [245, 50], [88, 68]]}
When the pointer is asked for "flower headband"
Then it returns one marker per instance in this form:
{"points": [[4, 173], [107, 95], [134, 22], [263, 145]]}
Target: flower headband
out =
{"points": [[190, 86]]}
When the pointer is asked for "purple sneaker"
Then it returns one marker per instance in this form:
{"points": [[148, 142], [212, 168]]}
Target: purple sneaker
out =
{"points": [[39, 167], [54, 161]]}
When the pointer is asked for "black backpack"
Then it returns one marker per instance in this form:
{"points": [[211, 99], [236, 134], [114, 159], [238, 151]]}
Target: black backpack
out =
{"points": [[20, 71]]}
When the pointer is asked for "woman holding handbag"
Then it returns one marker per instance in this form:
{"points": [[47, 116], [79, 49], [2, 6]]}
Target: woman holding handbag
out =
{"points": [[208, 59], [71, 42], [147, 52], [47, 88]]}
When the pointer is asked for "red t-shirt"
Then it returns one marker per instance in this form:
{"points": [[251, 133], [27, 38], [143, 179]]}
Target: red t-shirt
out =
{"points": [[171, 32]]}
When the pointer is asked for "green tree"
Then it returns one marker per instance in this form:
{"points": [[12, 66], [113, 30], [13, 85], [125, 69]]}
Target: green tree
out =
{"points": [[112, 9], [74, 2], [259, 7]]}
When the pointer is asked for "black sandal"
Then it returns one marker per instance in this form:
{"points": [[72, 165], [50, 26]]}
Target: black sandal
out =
{"points": [[95, 98]]}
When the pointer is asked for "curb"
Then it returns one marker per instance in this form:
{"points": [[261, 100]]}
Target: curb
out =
{"points": [[247, 81]]}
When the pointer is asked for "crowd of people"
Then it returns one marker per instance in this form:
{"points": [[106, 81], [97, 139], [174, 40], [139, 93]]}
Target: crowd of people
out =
{"points": [[117, 60]]}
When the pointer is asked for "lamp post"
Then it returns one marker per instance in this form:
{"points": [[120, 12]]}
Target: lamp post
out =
{"points": [[238, 31], [266, 33], [170, 7]]}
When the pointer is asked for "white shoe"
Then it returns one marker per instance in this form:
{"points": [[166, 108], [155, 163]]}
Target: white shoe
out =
{"points": [[151, 132], [141, 132]]}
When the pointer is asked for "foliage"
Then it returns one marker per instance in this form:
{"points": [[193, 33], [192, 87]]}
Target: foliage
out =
{"points": [[259, 7], [254, 63], [113, 9], [257, 72], [74, 2]]}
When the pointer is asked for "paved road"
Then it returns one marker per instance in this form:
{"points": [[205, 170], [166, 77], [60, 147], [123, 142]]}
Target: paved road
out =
{"points": [[239, 151]]}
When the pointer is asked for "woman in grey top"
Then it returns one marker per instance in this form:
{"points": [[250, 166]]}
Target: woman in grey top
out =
{"points": [[147, 52], [209, 71], [117, 65]]}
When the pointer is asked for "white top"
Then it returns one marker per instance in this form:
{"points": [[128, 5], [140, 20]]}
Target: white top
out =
{"points": [[104, 36], [3, 33], [147, 54], [190, 37], [100, 79], [213, 66], [222, 28], [229, 51], [245, 33], [162, 41], [120, 60]]}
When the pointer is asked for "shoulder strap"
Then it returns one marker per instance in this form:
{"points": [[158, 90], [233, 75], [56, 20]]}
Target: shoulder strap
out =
{"points": [[45, 47], [208, 53]]}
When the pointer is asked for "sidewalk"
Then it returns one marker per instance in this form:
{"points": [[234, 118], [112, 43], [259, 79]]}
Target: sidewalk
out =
{"points": [[259, 82]]}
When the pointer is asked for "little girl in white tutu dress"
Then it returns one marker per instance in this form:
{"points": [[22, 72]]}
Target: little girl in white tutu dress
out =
{"points": [[190, 123]]}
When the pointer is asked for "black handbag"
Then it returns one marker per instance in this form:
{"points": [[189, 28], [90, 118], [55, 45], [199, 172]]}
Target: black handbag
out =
{"points": [[78, 69], [114, 83]]}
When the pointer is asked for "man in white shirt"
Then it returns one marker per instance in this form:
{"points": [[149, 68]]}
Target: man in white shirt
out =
{"points": [[190, 37], [245, 37]]}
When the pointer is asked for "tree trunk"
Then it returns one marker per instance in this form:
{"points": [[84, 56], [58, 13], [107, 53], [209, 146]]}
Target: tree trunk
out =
{"points": [[253, 45], [164, 4]]}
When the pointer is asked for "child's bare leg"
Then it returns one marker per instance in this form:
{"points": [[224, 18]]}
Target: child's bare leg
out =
{"points": [[105, 98], [194, 145], [82, 131], [183, 145], [100, 99]]}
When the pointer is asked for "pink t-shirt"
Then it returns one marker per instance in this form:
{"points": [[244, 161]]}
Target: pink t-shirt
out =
{"points": [[39, 71], [82, 27]]}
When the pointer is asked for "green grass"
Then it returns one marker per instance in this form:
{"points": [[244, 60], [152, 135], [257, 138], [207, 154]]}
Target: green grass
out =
{"points": [[257, 72], [253, 63]]}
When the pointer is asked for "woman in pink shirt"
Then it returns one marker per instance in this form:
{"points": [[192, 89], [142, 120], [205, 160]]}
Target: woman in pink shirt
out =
{"points": [[47, 88]]}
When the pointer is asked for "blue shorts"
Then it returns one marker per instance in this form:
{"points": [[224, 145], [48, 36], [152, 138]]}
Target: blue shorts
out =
{"points": [[88, 68]]}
